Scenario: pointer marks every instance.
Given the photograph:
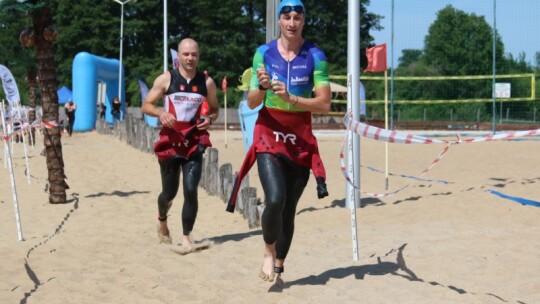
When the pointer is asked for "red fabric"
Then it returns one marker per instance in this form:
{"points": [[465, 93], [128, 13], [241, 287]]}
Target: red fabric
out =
{"points": [[282, 133], [224, 84], [376, 58], [204, 108], [182, 140]]}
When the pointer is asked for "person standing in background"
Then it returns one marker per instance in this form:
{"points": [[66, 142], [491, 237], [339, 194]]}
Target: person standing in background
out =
{"points": [[116, 108], [70, 107]]}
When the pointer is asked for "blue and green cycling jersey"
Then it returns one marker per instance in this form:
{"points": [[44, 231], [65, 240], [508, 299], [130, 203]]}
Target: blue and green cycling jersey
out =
{"points": [[307, 70]]}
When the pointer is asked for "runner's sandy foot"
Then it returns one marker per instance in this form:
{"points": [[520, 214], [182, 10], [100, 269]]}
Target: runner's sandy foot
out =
{"points": [[193, 247], [267, 269], [163, 234]]}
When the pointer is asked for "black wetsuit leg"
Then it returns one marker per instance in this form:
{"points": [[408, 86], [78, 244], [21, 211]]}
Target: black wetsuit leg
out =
{"points": [[170, 178], [71, 121], [192, 175], [283, 184]]}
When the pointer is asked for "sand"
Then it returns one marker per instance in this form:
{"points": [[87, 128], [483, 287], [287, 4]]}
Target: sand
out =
{"points": [[449, 241]]}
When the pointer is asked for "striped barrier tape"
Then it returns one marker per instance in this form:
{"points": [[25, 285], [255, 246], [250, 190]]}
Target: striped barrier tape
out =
{"points": [[393, 136], [36, 124]]}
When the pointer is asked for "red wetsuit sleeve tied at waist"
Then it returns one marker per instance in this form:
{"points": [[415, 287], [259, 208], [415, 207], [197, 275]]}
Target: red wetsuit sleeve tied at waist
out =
{"points": [[286, 134], [183, 140]]}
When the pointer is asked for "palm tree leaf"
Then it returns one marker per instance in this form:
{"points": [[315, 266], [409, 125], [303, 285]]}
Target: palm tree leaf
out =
{"points": [[22, 7]]}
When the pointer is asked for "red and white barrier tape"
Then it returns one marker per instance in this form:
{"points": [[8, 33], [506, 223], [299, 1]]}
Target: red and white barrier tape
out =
{"points": [[405, 138], [37, 124]]}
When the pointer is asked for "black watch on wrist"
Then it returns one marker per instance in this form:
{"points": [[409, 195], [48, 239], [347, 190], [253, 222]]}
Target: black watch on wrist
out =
{"points": [[262, 88]]}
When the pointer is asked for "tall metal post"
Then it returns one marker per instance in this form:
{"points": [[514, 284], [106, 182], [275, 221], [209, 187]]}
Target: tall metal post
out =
{"points": [[353, 84], [392, 71], [494, 67], [272, 28], [121, 46], [165, 36]]}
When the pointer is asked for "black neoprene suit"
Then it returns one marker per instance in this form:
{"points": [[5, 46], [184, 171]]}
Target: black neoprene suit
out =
{"points": [[283, 183], [170, 182]]}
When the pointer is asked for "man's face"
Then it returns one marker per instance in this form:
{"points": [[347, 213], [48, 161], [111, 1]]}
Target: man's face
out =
{"points": [[291, 24], [188, 53]]}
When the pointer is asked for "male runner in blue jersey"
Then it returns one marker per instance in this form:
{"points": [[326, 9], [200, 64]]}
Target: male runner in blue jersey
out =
{"points": [[285, 71]]}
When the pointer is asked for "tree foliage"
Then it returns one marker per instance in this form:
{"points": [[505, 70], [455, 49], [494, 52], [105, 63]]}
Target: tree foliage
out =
{"points": [[457, 44], [228, 33]]}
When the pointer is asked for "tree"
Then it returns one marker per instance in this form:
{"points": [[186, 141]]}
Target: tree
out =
{"points": [[461, 44], [326, 26], [41, 35], [12, 54], [409, 57], [228, 32]]}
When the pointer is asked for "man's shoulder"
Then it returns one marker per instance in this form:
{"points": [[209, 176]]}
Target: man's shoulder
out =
{"points": [[312, 48], [267, 46]]}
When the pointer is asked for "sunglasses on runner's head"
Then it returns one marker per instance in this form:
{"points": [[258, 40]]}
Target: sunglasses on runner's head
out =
{"points": [[297, 8]]}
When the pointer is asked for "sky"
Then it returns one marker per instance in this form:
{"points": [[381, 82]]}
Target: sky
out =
{"points": [[517, 22]]}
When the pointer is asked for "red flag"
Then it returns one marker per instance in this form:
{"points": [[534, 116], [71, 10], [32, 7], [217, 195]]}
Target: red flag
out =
{"points": [[224, 84], [376, 58]]}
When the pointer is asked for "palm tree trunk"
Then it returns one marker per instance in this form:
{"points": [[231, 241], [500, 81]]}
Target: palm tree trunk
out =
{"points": [[31, 80], [49, 102]]}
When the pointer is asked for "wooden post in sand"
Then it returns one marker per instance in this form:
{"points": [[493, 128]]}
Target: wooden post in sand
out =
{"points": [[245, 195], [211, 171], [226, 181], [253, 213]]}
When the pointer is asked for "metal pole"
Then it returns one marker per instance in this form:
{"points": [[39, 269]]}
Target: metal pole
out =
{"points": [[353, 68], [272, 28], [493, 63], [121, 46], [12, 178], [392, 71], [165, 36]]}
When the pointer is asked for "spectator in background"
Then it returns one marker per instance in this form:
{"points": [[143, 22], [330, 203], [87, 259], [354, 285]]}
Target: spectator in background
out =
{"points": [[102, 110], [116, 108], [70, 107], [363, 66]]}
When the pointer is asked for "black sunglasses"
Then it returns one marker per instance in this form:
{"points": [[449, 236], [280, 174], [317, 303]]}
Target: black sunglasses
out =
{"points": [[289, 8]]}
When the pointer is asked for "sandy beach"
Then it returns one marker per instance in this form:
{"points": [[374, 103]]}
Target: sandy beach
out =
{"points": [[449, 240]]}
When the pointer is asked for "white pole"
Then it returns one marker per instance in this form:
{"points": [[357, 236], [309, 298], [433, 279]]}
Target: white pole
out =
{"points": [[22, 130], [272, 28], [26, 115], [165, 61], [121, 47], [349, 190], [13, 188], [353, 68], [225, 119], [4, 130], [386, 127], [11, 129]]}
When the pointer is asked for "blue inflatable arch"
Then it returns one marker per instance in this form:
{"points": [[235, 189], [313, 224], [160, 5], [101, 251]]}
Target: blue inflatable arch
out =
{"points": [[87, 70]]}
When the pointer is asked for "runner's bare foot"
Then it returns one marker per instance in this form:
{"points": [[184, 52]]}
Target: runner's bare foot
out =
{"points": [[267, 268], [163, 233], [186, 243]]}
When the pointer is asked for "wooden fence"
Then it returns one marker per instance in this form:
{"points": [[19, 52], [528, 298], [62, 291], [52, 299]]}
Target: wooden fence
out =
{"points": [[216, 180]]}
